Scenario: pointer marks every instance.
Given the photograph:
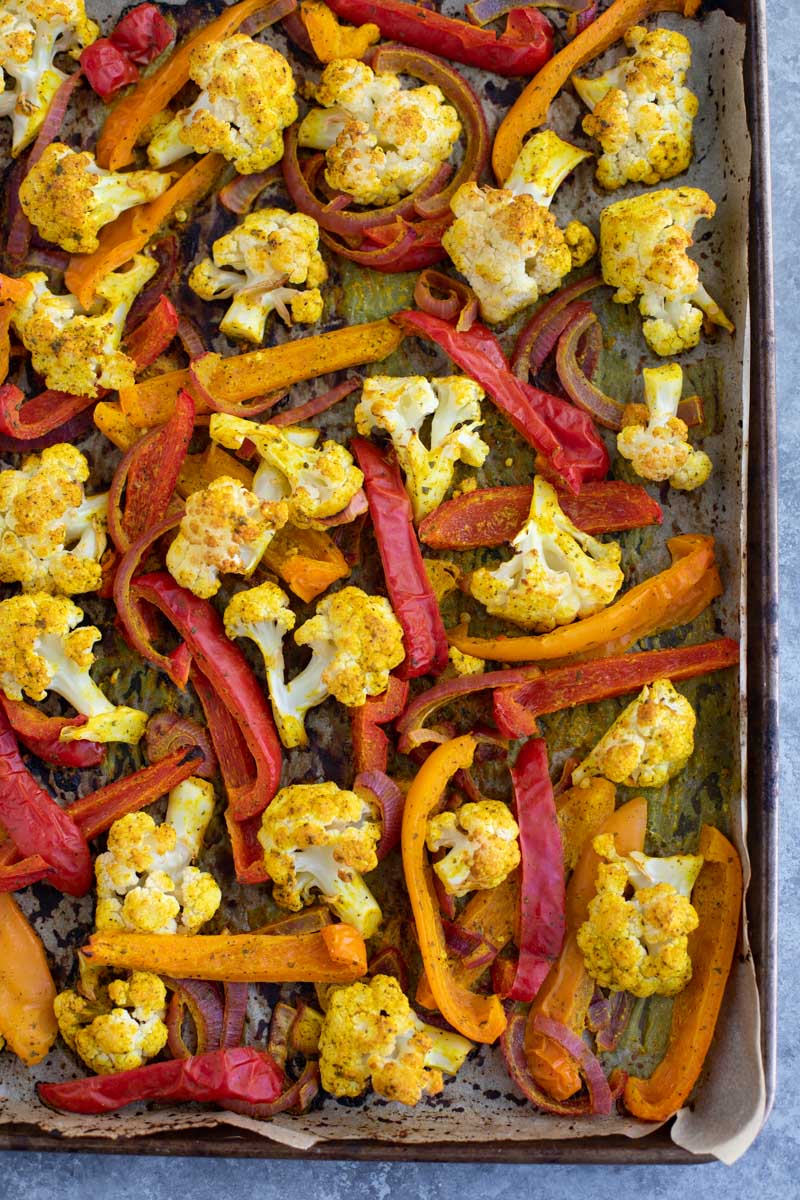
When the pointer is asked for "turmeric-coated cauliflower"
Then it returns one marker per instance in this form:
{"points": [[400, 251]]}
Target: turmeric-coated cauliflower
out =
{"points": [[370, 1035], [52, 536], [318, 837], [643, 244], [247, 100], [400, 406], [649, 743], [557, 573], [313, 483], [658, 447], [641, 114], [145, 880], [640, 945], [259, 264], [482, 844], [69, 198], [380, 141], [121, 1029], [226, 528]]}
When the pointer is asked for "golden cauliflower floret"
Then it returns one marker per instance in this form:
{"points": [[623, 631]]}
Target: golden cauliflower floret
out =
{"points": [[380, 141], [52, 536], [639, 944], [400, 407], [659, 448], [641, 113], [247, 100], [79, 351], [318, 837], [643, 252], [145, 880], [465, 664], [69, 198], [371, 1036], [313, 483], [261, 264], [120, 1031], [225, 529], [557, 573], [482, 843], [648, 744]]}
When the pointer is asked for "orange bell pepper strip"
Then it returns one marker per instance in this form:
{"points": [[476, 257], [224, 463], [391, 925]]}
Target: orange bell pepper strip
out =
{"points": [[152, 402], [13, 291], [133, 229], [111, 420], [199, 470], [530, 110], [335, 954], [308, 560], [494, 915], [670, 598], [127, 120], [717, 897], [566, 992], [27, 991], [329, 39], [580, 811], [479, 1018]]}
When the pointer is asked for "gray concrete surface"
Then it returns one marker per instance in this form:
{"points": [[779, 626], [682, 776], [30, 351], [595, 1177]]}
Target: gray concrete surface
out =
{"points": [[772, 1167]]}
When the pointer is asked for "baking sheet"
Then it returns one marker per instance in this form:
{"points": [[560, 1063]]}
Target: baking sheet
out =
{"points": [[483, 1092]]}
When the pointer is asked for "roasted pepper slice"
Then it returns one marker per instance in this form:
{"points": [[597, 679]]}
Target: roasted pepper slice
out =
{"points": [[370, 743], [27, 991]]}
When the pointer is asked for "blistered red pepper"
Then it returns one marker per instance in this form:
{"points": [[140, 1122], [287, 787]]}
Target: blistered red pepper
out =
{"points": [[409, 588], [153, 334], [42, 736], [143, 34], [239, 1074], [107, 68], [23, 873], [370, 743]]}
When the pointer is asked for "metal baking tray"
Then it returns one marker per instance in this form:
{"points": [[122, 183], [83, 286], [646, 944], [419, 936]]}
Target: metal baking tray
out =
{"points": [[761, 618]]}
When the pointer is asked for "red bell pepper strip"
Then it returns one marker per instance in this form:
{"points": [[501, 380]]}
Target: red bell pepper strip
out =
{"points": [[562, 433], [407, 583], [96, 813], [370, 743], [240, 1073], [107, 68], [516, 708], [151, 336], [24, 872], [41, 735], [542, 923], [229, 674], [493, 516], [36, 824], [142, 34], [413, 25]]}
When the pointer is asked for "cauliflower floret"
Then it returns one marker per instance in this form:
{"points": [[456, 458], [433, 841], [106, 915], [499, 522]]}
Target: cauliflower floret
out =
{"points": [[506, 242], [482, 840], [371, 1035], [558, 572], [643, 244], [41, 651], [319, 837], [648, 744], [400, 406], [120, 1031], [640, 945], [355, 640], [145, 880], [78, 351], [247, 100], [641, 114], [380, 141], [465, 664], [268, 251], [659, 449], [32, 33], [314, 484], [69, 198], [226, 528], [52, 536]]}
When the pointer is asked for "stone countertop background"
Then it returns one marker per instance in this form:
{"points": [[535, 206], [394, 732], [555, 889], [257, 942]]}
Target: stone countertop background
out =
{"points": [[770, 1168]]}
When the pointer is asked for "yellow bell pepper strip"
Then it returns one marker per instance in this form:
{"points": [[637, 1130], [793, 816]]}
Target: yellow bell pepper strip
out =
{"points": [[530, 110], [335, 954], [133, 229], [127, 120], [199, 470], [27, 991], [479, 1018], [579, 811], [152, 402], [330, 40], [567, 991], [717, 897], [111, 420], [670, 598]]}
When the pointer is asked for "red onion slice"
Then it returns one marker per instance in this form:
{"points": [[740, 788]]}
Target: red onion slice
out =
{"points": [[234, 1013], [203, 1003], [240, 194], [320, 404], [357, 507], [390, 800], [531, 348], [281, 1022], [167, 732], [605, 410]]}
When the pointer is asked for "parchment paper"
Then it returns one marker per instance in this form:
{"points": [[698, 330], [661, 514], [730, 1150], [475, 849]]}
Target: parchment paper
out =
{"points": [[729, 1108]]}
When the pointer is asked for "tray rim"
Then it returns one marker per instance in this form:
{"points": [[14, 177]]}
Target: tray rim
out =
{"points": [[762, 768]]}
